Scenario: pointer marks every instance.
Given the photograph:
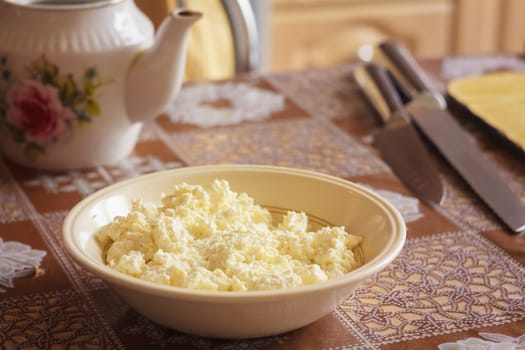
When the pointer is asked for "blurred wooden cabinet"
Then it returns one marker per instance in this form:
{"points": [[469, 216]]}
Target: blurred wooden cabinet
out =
{"points": [[310, 33]]}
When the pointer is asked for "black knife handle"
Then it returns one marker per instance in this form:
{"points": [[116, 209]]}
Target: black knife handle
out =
{"points": [[379, 90], [404, 68]]}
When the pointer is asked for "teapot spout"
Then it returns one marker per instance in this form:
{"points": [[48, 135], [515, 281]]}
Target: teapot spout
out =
{"points": [[156, 75]]}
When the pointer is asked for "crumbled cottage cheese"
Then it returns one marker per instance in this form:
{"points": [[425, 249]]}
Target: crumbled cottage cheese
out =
{"points": [[211, 238]]}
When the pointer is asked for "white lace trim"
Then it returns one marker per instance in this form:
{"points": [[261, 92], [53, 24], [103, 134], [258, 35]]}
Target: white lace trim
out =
{"points": [[17, 260], [246, 103], [493, 341]]}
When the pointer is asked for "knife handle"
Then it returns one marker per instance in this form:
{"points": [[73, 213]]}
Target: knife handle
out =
{"points": [[379, 90], [404, 68]]}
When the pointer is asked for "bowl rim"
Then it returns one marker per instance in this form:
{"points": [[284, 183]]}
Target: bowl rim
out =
{"points": [[387, 254]]}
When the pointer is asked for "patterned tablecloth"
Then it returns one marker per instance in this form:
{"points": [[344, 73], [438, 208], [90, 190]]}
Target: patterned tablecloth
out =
{"points": [[460, 278]]}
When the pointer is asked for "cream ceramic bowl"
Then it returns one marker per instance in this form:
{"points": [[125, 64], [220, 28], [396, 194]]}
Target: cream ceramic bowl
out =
{"points": [[326, 199]]}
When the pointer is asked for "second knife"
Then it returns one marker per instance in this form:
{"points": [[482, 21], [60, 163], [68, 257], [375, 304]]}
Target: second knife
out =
{"points": [[428, 110], [398, 141]]}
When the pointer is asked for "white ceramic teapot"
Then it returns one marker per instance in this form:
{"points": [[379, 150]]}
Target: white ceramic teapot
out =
{"points": [[78, 78]]}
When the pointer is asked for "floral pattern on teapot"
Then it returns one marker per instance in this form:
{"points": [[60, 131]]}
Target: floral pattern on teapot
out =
{"points": [[45, 105]]}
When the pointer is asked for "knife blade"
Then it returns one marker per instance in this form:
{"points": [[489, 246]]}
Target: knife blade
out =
{"points": [[428, 109], [398, 141]]}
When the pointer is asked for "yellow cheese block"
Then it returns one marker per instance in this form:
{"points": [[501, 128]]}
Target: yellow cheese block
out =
{"points": [[498, 99]]}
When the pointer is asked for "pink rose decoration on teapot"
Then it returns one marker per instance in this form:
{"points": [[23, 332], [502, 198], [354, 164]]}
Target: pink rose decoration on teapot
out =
{"points": [[40, 108], [37, 109]]}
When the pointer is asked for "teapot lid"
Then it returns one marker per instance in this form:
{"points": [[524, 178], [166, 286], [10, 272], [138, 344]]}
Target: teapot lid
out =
{"points": [[60, 4]]}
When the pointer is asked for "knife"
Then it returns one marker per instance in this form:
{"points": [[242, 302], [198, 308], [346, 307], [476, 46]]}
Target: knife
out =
{"points": [[398, 141], [428, 110]]}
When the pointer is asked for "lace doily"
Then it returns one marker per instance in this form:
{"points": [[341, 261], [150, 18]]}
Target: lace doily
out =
{"points": [[17, 260], [493, 341], [208, 105], [460, 67], [407, 206]]}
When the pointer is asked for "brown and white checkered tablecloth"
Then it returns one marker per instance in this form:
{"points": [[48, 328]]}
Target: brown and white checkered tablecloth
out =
{"points": [[460, 275]]}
